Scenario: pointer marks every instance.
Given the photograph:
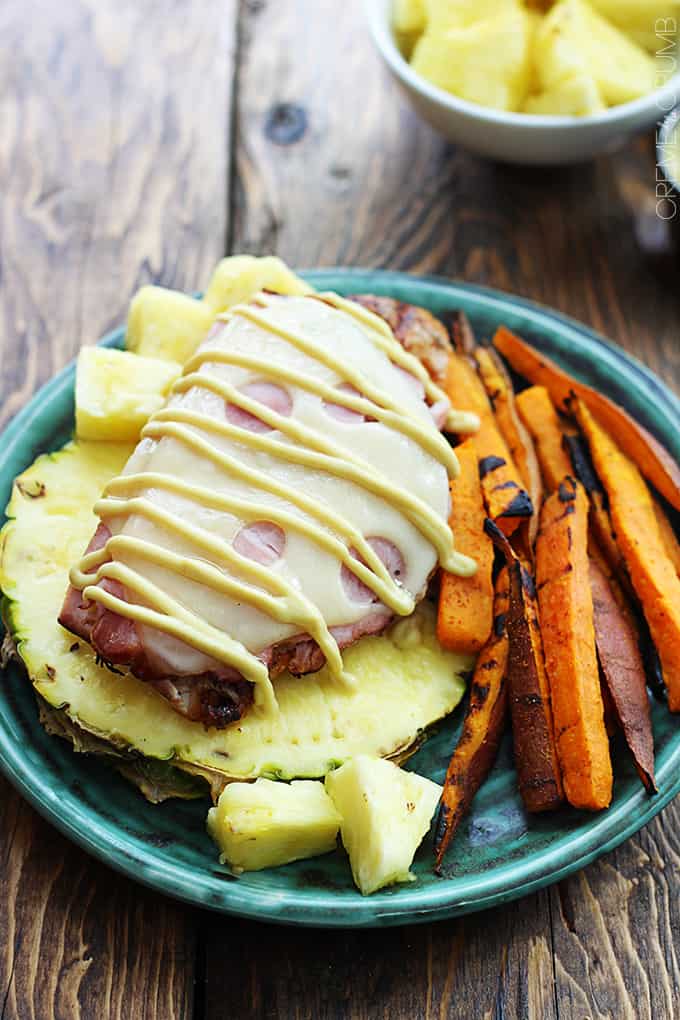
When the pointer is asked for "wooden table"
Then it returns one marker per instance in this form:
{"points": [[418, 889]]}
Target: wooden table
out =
{"points": [[139, 141]]}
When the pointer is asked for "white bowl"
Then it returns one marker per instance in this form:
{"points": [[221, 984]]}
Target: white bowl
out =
{"points": [[517, 137]]}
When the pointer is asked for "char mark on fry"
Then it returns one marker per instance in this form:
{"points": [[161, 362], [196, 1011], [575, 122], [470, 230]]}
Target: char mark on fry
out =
{"points": [[521, 506], [567, 490], [489, 464]]}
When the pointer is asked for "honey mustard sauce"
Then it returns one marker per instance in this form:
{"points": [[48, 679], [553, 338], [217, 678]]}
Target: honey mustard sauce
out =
{"points": [[257, 584]]}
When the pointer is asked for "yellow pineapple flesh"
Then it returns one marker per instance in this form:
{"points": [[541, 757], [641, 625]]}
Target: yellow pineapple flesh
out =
{"points": [[116, 392], [386, 812], [265, 824], [166, 324]]}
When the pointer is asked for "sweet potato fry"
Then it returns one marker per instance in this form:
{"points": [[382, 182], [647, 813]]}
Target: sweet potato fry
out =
{"points": [[462, 335], [507, 502], [499, 390], [653, 460], [466, 603], [651, 570], [624, 673], [599, 518], [668, 536], [482, 730], [538, 770], [538, 413], [566, 613], [463, 381]]}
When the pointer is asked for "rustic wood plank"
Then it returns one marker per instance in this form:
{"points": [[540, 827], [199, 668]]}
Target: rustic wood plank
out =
{"points": [[333, 168], [495, 964], [79, 941], [113, 171], [616, 930], [113, 167]]}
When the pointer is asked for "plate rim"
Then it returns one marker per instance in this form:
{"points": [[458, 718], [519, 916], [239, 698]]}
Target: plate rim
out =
{"points": [[322, 908]]}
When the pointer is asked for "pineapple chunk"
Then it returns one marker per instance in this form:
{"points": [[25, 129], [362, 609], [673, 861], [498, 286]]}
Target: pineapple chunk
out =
{"points": [[487, 62], [573, 97], [116, 392], [385, 812], [239, 277], [166, 324], [575, 40], [266, 823], [649, 23], [443, 15], [409, 16]]}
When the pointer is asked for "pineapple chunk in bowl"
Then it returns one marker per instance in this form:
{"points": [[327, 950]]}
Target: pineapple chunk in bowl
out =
{"points": [[490, 66]]}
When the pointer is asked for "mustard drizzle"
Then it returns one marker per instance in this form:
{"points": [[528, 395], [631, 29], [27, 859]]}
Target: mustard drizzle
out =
{"points": [[457, 421], [422, 516], [409, 425], [378, 579], [290, 605]]}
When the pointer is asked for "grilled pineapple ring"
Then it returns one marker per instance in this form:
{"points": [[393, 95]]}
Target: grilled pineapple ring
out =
{"points": [[405, 680]]}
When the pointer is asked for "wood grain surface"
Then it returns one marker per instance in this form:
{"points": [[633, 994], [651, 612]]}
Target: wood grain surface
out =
{"points": [[138, 141], [114, 157]]}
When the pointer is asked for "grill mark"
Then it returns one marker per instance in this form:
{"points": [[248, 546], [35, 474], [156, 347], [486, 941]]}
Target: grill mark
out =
{"points": [[521, 506], [567, 490], [528, 583], [499, 625], [479, 692], [489, 464], [538, 782], [552, 580]]}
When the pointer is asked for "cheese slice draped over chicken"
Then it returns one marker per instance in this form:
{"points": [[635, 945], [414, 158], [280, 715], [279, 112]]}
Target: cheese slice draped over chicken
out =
{"points": [[292, 495]]}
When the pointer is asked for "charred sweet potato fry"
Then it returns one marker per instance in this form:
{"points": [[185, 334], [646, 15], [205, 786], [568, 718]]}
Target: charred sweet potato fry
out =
{"points": [[651, 570], [499, 390], [538, 413], [466, 603], [462, 334], [463, 383], [538, 770], [482, 730], [566, 612], [506, 500], [653, 460], [624, 673], [599, 517]]}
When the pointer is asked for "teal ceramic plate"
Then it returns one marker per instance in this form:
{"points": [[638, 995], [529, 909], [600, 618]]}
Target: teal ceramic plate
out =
{"points": [[498, 855]]}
